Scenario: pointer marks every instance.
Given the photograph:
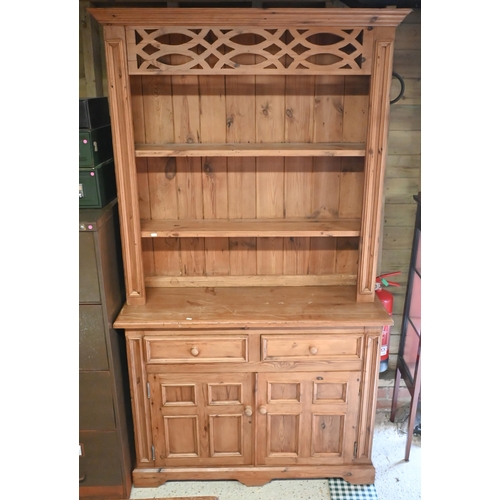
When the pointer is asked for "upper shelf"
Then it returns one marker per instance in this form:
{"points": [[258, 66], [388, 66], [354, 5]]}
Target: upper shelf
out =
{"points": [[251, 149], [249, 228]]}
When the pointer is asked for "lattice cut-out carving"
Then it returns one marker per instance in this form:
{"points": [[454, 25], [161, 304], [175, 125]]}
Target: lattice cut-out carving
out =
{"points": [[174, 50]]}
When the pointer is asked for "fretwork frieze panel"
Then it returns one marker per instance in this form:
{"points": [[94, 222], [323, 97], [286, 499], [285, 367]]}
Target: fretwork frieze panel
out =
{"points": [[173, 50]]}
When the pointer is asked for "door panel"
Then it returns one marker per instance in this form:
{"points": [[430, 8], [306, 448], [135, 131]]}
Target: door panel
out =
{"points": [[181, 436], [306, 418], [199, 419]]}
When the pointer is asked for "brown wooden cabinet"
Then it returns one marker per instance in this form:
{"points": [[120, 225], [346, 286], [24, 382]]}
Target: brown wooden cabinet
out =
{"points": [[105, 417], [250, 149]]}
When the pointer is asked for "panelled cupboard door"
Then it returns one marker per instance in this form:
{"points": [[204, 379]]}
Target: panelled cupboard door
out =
{"points": [[306, 418], [202, 419]]}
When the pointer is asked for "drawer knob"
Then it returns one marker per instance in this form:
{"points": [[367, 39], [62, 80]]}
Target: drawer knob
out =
{"points": [[248, 411], [262, 410], [195, 351], [313, 349]]}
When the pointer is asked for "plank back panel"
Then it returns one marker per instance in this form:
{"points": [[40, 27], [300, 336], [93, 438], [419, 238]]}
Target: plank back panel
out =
{"points": [[240, 121], [249, 109]]}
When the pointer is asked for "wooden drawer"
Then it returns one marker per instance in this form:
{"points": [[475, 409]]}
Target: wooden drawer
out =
{"points": [[195, 349], [341, 346]]}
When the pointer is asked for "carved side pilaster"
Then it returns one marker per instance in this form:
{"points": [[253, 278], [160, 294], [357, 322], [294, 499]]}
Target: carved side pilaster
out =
{"points": [[139, 398], [369, 387], [124, 158], [376, 153]]}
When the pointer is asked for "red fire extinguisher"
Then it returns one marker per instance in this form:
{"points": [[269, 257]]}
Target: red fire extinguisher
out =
{"points": [[387, 300]]}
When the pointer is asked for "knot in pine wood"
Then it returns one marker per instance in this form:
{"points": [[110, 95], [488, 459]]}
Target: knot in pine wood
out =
{"points": [[289, 113], [208, 170], [170, 168]]}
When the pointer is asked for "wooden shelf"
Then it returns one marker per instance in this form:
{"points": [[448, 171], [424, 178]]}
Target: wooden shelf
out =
{"points": [[251, 149], [206, 228], [320, 306], [210, 281]]}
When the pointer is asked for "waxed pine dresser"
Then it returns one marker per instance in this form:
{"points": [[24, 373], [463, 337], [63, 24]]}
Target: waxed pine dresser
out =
{"points": [[250, 149]]}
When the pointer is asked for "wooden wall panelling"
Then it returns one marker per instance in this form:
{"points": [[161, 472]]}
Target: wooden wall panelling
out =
{"points": [[91, 63], [403, 172]]}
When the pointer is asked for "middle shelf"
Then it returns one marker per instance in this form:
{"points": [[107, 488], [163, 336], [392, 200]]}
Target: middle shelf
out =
{"points": [[251, 149], [205, 228]]}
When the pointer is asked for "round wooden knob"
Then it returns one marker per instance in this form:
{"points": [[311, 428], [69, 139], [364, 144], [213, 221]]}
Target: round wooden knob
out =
{"points": [[313, 349], [195, 351], [248, 411], [262, 410]]}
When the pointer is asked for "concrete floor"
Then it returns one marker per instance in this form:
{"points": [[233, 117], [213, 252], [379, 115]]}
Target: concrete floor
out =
{"points": [[395, 479]]}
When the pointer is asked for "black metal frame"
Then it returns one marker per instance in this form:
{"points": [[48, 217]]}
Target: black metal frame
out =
{"points": [[411, 379]]}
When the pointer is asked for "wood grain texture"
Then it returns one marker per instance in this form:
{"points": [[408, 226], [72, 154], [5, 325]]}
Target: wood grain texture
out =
{"points": [[369, 384], [376, 144], [271, 18], [269, 274], [249, 227], [293, 306], [140, 404], [125, 170], [256, 476], [289, 429], [256, 354], [251, 149]]}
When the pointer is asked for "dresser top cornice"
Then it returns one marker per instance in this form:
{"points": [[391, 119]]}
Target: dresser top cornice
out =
{"points": [[231, 17]]}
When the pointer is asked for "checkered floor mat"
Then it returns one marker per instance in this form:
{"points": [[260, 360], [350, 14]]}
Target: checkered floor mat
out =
{"points": [[342, 490]]}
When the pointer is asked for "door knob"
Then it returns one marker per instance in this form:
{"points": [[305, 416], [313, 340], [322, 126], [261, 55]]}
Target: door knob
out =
{"points": [[195, 351], [313, 349], [248, 411], [262, 410]]}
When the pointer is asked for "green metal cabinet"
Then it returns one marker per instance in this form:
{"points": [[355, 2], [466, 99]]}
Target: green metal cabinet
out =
{"points": [[97, 185], [96, 146]]}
